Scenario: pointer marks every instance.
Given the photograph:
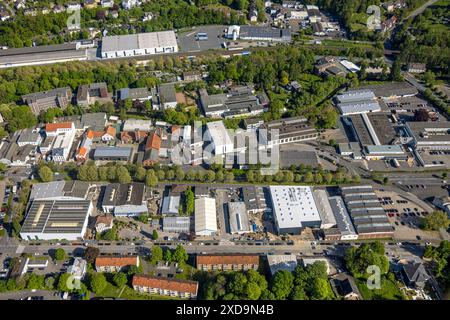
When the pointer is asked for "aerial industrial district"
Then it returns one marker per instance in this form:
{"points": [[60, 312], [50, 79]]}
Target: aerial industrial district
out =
{"points": [[117, 188]]}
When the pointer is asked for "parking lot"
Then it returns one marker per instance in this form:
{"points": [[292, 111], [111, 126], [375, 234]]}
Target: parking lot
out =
{"points": [[188, 43], [404, 216], [436, 158]]}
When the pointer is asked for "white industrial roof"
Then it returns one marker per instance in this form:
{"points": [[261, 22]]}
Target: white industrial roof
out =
{"points": [[293, 205], [323, 205], [219, 134], [238, 217], [350, 65], [355, 95], [205, 215], [64, 140], [279, 262], [359, 107], [139, 41], [47, 190], [385, 149], [132, 124]]}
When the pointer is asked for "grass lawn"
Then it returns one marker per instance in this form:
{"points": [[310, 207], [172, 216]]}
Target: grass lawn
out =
{"points": [[389, 290], [129, 294], [188, 270], [111, 291]]}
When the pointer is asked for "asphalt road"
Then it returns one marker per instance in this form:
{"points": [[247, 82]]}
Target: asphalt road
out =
{"points": [[421, 9], [18, 295], [405, 251]]}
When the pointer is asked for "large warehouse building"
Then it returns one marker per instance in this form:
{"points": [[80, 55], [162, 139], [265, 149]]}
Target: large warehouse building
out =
{"points": [[205, 217], [139, 44], [366, 212], [294, 208], [56, 218]]}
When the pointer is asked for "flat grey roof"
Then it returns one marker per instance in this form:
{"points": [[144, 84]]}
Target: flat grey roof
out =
{"points": [[167, 92], [42, 57], [391, 89], [123, 194], [47, 190], [27, 135], [238, 217], [113, 152], [65, 91], [37, 49], [139, 41], [264, 32], [343, 221]]}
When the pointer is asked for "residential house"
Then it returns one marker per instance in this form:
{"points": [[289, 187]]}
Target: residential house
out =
{"points": [[238, 262], [165, 286], [90, 93], [103, 223], [167, 96], [78, 268], [137, 136], [128, 4], [152, 146], [192, 76], [135, 94], [345, 286], [414, 274], [85, 146], [29, 136], [109, 134], [107, 3], [415, 67], [41, 101], [112, 264]]}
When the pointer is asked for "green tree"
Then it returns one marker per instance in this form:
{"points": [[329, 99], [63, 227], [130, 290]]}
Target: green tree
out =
{"points": [[143, 218], [123, 176], [435, 221], [282, 284], [190, 201], [63, 281], [358, 259], [120, 279], [35, 281], [45, 174], [140, 174], [252, 291], [97, 282], [91, 253], [155, 235], [157, 254], [151, 179], [168, 255], [50, 283], [180, 255], [60, 254]]}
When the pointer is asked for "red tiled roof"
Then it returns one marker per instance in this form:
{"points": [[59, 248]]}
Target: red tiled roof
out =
{"points": [[111, 131], [98, 134], [166, 284], [116, 261], [82, 152], [153, 142], [228, 259], [106, 219], [90, 134], [49, 127]]}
